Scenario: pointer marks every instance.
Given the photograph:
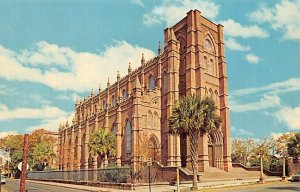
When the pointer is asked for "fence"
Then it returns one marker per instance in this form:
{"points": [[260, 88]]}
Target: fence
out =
{"points": [[115, 175]]}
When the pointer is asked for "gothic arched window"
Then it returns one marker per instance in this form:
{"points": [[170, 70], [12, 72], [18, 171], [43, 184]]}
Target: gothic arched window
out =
{"points": [[114, 100], [104, 104], [128, 139], [114, 129], [207, 44], [124, 94], [149, 119], [166, 82], [151, 82], [155, 120]]}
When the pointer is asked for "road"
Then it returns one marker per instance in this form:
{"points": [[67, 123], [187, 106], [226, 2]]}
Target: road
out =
{"points": [[269, 187], [13, 186]]}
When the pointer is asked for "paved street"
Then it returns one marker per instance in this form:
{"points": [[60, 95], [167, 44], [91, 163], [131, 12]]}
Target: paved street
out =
{"points": [[269, 187], [13, 186]]}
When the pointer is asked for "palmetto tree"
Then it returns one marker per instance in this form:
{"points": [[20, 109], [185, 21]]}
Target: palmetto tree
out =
{"points": [[193, 116], [102, 143]]}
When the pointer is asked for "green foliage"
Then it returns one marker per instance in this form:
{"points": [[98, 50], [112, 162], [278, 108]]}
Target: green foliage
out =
{"points": [[102, 143], [193, 116], [43, 154], [242, 150], [293, 146], [40, 149]]}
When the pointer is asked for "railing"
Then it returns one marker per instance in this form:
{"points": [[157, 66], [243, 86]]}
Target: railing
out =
{"points": [[115, 175]]}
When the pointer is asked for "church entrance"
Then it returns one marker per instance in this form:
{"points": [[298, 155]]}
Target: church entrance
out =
{"points": [[210, 156], [215, 149]]}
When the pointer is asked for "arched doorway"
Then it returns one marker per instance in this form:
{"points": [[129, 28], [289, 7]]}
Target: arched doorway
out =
{"points": [[154, 148], [215, 149]]}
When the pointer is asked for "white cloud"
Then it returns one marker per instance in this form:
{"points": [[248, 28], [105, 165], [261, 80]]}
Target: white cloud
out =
{"points": [[283, 16], [6, 133], [240, 132], [138, 2], [5, 90], [73, 97], [65, 69], [170, 12], [40, 99], [251, 58], [45, 112], [289, 85], [235, 29], [234, 45], [289, 116], [53, 123], [267, 101]]}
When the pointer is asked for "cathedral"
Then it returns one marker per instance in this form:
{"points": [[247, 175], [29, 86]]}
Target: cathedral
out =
{"points": [[136, 108]]}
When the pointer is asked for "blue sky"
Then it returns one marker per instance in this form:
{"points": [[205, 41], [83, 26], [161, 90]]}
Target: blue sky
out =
{"points": [[52, 52]]}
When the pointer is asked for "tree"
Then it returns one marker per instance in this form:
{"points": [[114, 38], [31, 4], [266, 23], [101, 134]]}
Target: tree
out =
{"points": [[194, 116], [102, 143], [293, 146], [38, 139], [43, 153], [242, 150]]}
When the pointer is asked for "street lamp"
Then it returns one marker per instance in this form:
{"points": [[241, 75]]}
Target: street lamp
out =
{"points": [[261, 178], [283, 156]]}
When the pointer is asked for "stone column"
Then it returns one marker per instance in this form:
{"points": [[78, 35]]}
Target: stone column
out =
{"points": [[118, 137], [79, 145], [224, 108], [65, 150], [72, 150], [86, 150]]}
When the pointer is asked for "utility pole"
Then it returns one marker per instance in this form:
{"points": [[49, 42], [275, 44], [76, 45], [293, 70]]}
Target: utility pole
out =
{"points": [[177, 178], [0, 178], [149, 164], [24, 163]]}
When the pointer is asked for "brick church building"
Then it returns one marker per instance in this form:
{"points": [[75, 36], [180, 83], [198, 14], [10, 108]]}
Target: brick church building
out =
{"points": [[137, 107]]}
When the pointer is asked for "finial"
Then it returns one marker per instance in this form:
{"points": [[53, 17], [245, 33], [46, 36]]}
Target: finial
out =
{"points": [[99, 89], [143, 59], [67, 123], [108, 82], [92, 93], [129, 68], [118, 75], [159, 48]]}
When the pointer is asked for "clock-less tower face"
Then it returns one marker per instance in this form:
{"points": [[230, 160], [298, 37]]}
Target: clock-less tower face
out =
{"points": [[207, 44]]}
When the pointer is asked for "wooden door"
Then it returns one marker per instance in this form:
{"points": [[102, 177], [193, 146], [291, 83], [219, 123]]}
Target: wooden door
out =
{"points": [[211, 156]]}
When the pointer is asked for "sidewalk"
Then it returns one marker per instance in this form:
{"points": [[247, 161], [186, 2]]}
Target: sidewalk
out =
{"points": [[164, 187]]}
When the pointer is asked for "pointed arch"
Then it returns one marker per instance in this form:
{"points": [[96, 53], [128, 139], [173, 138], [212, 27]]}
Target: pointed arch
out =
{"points": [[149, 119], [113, 100], [151, 80], [155, 120], [208, 36], [124, 94], [154, 147], [128, 138]]}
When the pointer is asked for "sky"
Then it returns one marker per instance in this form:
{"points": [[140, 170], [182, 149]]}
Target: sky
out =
{"points": [[53, 52]]}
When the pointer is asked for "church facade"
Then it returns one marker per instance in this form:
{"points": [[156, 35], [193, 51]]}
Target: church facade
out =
{"points": [[137, 107]]}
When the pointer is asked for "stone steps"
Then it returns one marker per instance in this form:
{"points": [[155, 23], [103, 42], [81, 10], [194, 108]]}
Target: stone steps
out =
{"points": [[238, 173]]}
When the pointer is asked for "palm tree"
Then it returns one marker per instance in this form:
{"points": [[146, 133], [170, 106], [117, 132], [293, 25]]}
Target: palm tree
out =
{"points": [[102, 143], [194, 116]]}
